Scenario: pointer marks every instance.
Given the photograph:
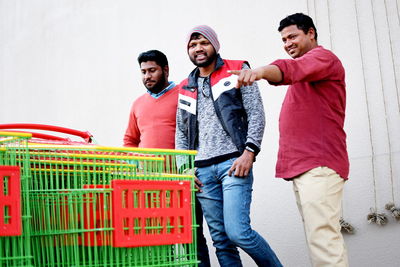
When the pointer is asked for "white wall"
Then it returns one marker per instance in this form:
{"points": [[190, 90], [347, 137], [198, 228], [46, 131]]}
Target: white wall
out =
{"points": [[73, 63]]}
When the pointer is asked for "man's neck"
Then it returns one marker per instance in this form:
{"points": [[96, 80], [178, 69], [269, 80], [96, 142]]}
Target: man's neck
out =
{"points": [[159, 90], [207, 70], [314, 45]]}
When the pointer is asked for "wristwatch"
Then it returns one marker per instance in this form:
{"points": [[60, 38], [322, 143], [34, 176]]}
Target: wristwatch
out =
{"points": [[249, 149]]}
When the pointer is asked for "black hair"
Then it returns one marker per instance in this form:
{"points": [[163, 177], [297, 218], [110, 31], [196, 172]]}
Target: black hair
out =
{"points": [[302, 21], [195, 36], [153, 55]]}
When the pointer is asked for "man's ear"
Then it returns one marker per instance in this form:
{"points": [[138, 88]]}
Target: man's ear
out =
{"points": [[166, 70], [311, 31]]}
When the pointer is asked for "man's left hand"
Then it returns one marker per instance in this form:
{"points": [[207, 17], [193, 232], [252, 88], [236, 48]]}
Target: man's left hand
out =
{"points": [[242, 165]]}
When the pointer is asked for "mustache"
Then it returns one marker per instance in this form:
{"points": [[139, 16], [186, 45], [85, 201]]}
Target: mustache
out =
{"points": [[201, 53]]}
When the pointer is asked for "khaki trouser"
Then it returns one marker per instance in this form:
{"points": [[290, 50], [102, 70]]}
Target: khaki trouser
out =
{"points": [[319, 194]]}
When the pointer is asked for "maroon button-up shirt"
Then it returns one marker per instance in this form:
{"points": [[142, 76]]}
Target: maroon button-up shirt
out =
{"points": [[312, 115]]}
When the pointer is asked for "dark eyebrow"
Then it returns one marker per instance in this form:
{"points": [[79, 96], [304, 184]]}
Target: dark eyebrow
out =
{"points": [[151, 68]]}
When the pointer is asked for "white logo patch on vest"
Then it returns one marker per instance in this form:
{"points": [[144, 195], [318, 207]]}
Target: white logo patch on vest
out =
{"points": [[187, 103], [223, 85]]}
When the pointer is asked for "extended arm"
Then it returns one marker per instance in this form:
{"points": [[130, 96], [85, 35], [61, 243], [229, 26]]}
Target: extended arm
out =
{"points": [[316, 65]]}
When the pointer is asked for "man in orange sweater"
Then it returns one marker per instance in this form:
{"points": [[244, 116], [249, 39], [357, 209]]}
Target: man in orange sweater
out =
{"points": [[152, 122], [153, 114]]}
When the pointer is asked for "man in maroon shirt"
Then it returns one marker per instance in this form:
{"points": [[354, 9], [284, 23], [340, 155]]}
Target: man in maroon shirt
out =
{"points": [[312, 142]]}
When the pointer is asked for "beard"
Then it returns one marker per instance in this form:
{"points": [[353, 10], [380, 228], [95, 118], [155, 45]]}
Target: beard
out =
{"points": [[157, 86], [210, 59]]}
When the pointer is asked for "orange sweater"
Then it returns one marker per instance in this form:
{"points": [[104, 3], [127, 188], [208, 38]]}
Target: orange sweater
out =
{"points": [[152, 121]]}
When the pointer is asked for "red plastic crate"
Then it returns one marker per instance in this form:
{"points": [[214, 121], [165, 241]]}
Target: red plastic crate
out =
{"points": [[10, 201], [151, 213], [96, 215]]}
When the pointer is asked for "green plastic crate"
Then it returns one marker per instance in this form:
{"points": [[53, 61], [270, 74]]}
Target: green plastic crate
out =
{"points": [[15, 249]]}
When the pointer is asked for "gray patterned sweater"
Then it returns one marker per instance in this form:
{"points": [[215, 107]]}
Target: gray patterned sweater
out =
{"points": [[213, 140]]}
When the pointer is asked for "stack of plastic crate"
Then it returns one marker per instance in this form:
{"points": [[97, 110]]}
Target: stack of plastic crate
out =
{"points": [[85, 205], [99, 206]]}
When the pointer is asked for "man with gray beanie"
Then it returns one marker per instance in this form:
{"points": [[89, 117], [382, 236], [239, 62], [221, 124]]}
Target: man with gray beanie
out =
{"points": [[225, 126]]}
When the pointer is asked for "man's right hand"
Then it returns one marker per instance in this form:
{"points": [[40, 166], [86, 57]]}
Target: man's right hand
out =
{"points": [[246, 76], [197, 183]]}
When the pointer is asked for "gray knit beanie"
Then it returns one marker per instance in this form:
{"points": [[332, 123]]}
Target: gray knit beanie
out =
{"points": [[208, 33]]}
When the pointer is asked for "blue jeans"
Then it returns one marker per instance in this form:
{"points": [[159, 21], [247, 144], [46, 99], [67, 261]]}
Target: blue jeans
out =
{"points": [[225, 202]]}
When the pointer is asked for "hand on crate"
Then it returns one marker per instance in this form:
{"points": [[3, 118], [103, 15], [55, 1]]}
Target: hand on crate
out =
{"points": [[197, 183]]}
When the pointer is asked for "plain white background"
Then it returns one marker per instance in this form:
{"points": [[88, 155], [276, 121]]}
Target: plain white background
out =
{"points": [[72, 63]]}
